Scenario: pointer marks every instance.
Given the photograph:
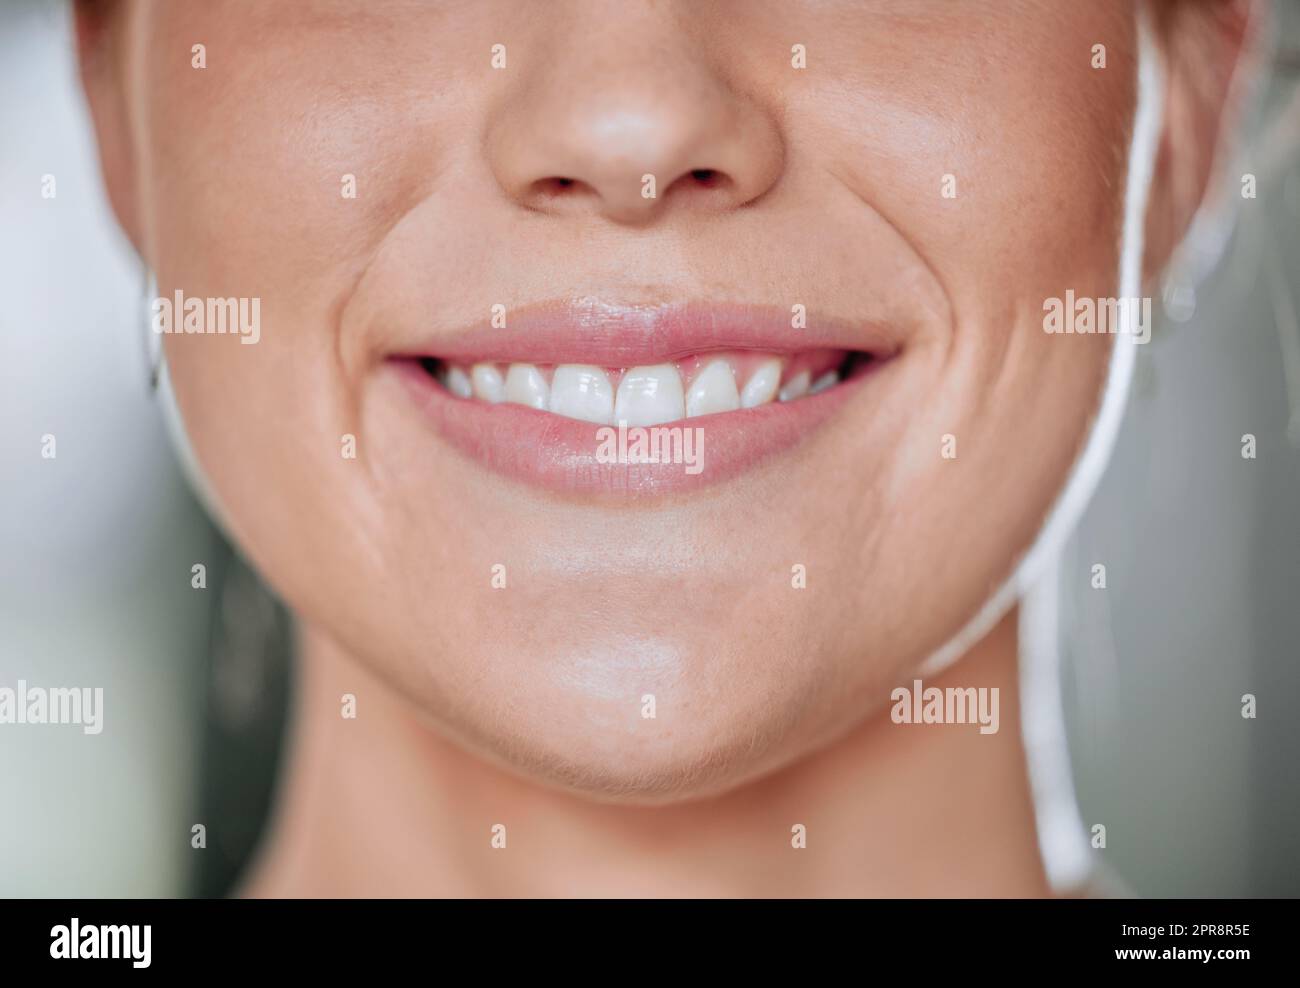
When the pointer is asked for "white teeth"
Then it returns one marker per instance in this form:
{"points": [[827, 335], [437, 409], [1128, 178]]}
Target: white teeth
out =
{"points": [[580, 391], [762, 384], [796, 387], [487, 383], [645, 396], [526, 386], [650, 396], [712, 391], [827, 380], [458, 382]]}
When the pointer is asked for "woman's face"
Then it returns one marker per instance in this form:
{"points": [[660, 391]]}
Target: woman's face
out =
{"points": [[934, 173]]}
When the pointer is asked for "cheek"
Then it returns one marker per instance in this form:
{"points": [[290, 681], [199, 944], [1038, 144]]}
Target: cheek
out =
{"points": [[297, 147], [279, 192], [1008, 204], [1001, 163]]}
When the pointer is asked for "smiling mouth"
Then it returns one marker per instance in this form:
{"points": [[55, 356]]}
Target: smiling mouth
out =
{"points": [[695, 386], [532, 402]]}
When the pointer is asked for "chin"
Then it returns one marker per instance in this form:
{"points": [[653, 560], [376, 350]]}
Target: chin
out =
{"points": [[583, 727], [632, 774]]}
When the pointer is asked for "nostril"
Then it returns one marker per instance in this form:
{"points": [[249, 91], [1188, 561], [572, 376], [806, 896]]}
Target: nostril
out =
{"points": [[705, 180], [556, 185], [567, 193]]}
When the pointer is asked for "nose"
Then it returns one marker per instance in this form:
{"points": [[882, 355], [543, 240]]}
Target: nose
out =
{"points": [[632, 135]]}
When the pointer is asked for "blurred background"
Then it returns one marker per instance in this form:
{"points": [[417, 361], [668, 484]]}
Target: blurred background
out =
{"points": [[1201, 547]]}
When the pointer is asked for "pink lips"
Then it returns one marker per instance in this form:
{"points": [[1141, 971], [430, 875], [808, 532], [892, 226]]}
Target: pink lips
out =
{"points": [[575, 457], [592, 332]]}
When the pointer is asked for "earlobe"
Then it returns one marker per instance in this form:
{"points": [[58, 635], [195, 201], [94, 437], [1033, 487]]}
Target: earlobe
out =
{"points": [[99, 36], [1206, 49]]}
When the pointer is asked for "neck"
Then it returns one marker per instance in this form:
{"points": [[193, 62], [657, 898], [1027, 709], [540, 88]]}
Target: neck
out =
{"points": [[380, 806]]}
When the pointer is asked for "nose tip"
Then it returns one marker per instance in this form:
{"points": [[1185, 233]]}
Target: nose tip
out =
{"points": [[632, 147]]}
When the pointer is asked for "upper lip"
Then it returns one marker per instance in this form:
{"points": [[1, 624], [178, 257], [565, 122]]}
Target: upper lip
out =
{"points": [[591, 331]]}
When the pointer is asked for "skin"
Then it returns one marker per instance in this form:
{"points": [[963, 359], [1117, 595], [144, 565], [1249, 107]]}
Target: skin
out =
{"points": [[478, 706]]}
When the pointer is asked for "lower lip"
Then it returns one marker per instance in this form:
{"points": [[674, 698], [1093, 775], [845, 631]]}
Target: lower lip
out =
{"points": [[561, 455]]}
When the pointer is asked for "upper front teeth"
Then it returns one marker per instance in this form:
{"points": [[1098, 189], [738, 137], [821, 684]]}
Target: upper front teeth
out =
{"points": [[645, 396], [713, 390], [487, 383], [762, 384], [650, 396], [525, 385], [580, 391]]}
